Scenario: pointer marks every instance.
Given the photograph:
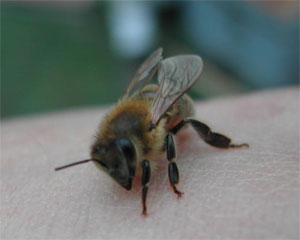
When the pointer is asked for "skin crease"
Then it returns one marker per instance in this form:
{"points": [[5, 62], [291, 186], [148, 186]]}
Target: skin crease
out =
{"points": [[235, 194]]}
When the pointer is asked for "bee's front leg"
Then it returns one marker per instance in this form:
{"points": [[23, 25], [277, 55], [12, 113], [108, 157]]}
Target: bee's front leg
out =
{"points": [[145, 182], [173, 170]]}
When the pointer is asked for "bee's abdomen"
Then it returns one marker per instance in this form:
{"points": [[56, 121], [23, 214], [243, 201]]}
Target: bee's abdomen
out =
{"points": [[185, 106], [181, 109]]}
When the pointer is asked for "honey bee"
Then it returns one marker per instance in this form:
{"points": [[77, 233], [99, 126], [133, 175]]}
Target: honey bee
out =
{"points": [[144, 122]]}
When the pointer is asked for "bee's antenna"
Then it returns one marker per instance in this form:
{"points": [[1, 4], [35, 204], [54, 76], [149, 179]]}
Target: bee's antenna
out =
{"points": [[73, 164]]}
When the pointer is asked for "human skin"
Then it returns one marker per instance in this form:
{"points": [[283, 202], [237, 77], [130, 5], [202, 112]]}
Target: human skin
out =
{"points": [[234, 194]]}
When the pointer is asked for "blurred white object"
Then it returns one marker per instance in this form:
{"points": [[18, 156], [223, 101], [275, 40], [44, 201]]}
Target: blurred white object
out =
{"points": [[132, 26]]}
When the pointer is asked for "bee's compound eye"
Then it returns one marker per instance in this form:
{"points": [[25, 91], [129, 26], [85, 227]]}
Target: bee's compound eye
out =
{"points": [[127, 147]]}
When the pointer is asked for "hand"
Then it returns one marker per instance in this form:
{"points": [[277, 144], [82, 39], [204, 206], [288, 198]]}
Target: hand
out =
{"points": [[237, 193]]}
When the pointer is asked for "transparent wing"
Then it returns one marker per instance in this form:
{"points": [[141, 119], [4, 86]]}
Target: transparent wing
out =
{"points": [[144, 73], [175, 76]]}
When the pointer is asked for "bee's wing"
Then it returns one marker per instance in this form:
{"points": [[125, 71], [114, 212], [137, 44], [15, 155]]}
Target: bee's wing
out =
{"points": [[175, 75], [144, 73]]}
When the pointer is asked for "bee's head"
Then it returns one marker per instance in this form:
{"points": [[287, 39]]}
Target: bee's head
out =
{"points": [[118, 159]]}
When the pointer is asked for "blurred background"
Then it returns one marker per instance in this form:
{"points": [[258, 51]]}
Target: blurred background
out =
{"points": [[58, 55]]}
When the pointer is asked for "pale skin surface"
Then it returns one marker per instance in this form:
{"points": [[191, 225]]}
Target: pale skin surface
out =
{"points": [[234, 194]]}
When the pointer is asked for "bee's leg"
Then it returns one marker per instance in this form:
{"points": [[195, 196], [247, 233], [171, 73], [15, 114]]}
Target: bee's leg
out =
{"points": [[212, 138], [173, 170], [145, 182]]}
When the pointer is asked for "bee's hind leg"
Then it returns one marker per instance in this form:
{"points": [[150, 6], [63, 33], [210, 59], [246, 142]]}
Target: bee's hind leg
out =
{"points": [[173, 170], [215, 139], [145, 182]]}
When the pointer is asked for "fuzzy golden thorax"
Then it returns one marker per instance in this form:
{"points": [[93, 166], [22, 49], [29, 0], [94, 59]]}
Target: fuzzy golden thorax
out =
{"points": [[131, 119]]}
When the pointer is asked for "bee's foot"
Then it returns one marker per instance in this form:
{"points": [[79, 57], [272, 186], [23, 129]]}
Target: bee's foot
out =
{"points": [[246, 145], [144, 213], [179, 194]]}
